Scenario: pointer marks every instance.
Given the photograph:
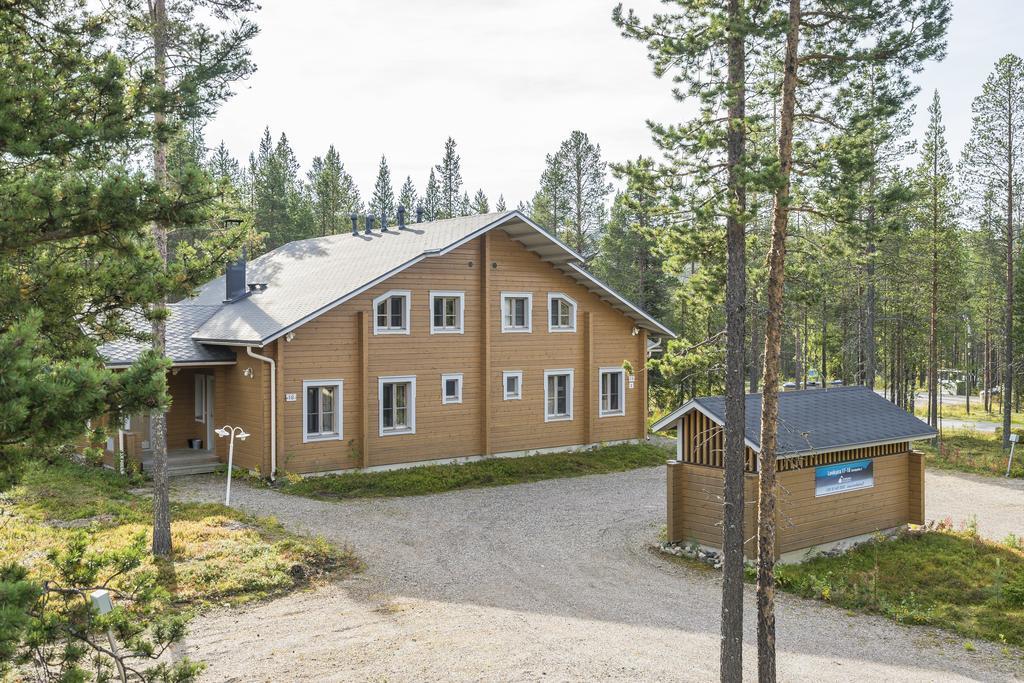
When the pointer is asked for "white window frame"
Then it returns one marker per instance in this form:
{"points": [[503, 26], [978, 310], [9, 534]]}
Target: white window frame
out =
{"points": [[396, 379], [339, 412], [457, 376], [518, 374], [505, 296], [601, 412], [571, 327], [406, 312], [199, 398], [461, 296], [569, 392]]}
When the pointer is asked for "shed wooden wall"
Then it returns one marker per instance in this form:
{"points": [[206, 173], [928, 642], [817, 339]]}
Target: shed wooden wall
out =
{"points": [[694, 504], [339, 345]]}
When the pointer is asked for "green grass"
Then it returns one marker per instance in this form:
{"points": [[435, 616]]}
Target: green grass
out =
{"points": [[414, 481], [220, 554], [949, 579], [956, 411], [970, 451]]}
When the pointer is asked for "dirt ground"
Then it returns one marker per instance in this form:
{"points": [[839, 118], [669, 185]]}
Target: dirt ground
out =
{"points": [[554, 581]]}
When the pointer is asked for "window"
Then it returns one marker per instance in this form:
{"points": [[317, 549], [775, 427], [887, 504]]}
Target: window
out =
{"points": [[561, 313], [199, 402], [613, 399], [451, 388], [516, 311], [512, 381], [397, 398], [321, 405], [557, 395], [391, 313], [446, 312]]}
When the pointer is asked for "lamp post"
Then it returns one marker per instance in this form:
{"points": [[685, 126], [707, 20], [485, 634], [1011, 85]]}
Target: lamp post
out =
{"points": [[228, 430], [102, 603]]}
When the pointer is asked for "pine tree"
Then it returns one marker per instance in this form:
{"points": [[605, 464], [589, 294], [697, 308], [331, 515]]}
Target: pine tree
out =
{"points": [[432, 198], [450, 182], [408, 198], [224, 167], [500, 206], [282, 209], [550, 205], [382, 205], [587, 189], [994, 160], [333, 194], [192, 67]]}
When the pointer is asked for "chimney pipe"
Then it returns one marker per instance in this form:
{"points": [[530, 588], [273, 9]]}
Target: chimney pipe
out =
{"points": [[355, 223], [401, 218], [369, 225], [383, 221], [419, 213], [234, 280]]}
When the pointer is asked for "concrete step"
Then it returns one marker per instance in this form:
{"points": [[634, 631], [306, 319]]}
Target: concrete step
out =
{"points": [[180, 471], [179, 463]]}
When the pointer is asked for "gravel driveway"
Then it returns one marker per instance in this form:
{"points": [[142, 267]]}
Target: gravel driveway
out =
{"points": [[553, 580]]}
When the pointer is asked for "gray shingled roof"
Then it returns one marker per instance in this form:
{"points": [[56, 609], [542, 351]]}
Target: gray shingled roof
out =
{"points": [[818, 420], [308, 277], [184, 320]]}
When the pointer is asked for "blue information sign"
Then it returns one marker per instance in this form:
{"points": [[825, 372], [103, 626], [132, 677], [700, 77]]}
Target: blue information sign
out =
{"points": [[844, 476]]}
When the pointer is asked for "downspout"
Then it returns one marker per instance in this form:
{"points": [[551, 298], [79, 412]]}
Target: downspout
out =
{"points": [[273, 408]]}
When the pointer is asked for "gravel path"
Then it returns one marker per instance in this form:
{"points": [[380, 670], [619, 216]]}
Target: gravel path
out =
{"points": [[552, 580], [996, 503]]}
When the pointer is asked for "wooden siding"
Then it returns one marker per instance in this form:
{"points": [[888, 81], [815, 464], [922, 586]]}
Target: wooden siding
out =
{"points": [[329, 347], [242, 401], [694, 506], [181, 418]]}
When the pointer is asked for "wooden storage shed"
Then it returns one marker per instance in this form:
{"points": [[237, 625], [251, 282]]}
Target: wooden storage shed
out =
{"points": [[845, 469]]}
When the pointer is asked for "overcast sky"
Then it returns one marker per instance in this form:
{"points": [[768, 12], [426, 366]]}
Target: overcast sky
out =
{"points": [[508, 79]]}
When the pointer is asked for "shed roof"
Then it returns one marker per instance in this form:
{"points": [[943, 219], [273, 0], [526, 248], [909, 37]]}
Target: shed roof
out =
{"points": [[818, 420]]}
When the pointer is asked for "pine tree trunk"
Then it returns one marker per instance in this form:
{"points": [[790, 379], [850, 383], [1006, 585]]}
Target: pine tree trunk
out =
{"points": [[933, 320], [731, 651], [1008, 353], [772, 344], [161, 483], [870, 351]]}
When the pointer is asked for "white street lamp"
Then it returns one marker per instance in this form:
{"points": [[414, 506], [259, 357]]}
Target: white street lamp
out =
{"points": [[102, 603], [228, 430]]}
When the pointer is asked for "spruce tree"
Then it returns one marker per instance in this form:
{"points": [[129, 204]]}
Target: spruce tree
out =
{"points": [[479, 203], [500, 205], [333, 194], [408, 198], [432, 198], [994, 160], [449, 173], [550, 205], [382, 205]]}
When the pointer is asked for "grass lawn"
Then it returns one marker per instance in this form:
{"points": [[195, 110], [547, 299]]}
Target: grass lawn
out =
{"points": [[220, 554], [970, 451], [414, 481], [950, 579], [956, 411]]}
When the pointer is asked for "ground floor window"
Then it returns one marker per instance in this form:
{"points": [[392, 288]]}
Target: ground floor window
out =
{"points": [[451, 388], [322, 402], [397, 398], [512, 380], [612, 397], [557, 395]]}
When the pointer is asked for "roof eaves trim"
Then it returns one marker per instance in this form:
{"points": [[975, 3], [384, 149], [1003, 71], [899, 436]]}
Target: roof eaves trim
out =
{"points": [[694, 404], [654, 323]]}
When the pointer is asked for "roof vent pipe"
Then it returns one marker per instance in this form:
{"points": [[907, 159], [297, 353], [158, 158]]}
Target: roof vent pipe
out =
{"points": [[383, 221], [369, 225], [419, 213], [355, 223], [234, 280], [401, 218]]}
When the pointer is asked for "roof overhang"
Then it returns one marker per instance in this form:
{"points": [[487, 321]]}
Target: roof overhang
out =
{"points": [[178, 364], [521, 229]]}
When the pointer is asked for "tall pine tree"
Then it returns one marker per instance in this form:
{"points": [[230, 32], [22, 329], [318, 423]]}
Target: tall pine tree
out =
{"points": [[382, 205], [449, 173]]}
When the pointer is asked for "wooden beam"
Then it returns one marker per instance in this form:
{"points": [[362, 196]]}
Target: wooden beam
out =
{"points": [[485, 345], [367, 390]]}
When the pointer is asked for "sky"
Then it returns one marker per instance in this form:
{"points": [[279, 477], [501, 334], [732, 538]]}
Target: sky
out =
{"points": [[508, 79]]}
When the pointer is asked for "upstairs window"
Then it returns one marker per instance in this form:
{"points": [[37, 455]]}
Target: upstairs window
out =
{"points": [[451, 388], [446, 312], [512, 381], [561, 313], [391, 313], [612, 395], [322, 410], [397, 399], [516, 311], [557, 395]]}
